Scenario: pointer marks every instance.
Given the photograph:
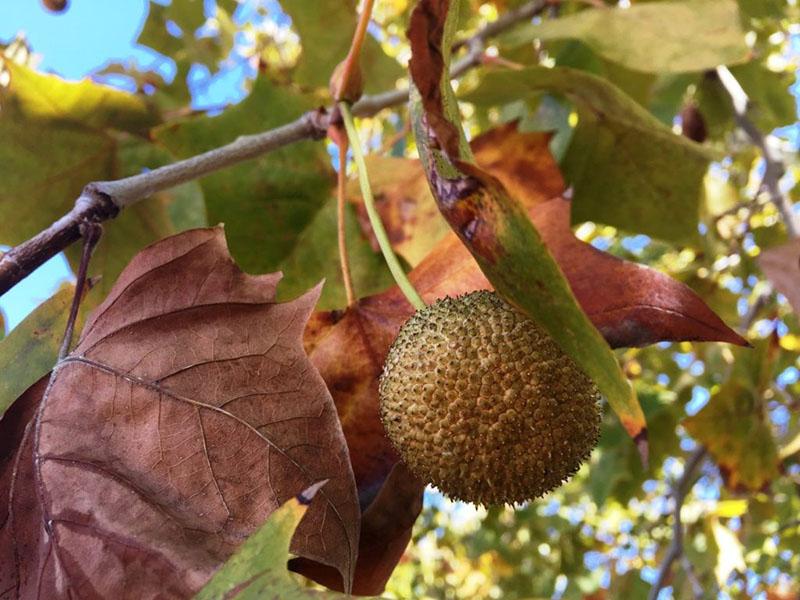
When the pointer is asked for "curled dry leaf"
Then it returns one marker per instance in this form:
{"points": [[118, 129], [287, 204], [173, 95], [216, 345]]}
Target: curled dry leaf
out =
{"points": [[187, 413], [493, 225]]}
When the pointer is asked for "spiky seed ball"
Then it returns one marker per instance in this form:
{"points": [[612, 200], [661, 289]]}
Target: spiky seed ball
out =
{"points": [[482, 403]]}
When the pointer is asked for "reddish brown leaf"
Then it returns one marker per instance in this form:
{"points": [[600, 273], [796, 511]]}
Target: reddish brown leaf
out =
{"points": [[187, 413], [781, 265], [22, 553], [631, 305]]}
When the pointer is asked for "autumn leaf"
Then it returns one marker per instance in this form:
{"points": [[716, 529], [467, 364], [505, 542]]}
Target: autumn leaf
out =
{"points": [[405, 205], [187, 413], [734, 426]]}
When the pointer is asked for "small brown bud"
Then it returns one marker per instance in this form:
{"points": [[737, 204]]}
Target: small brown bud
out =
{"points": [[55, 5], [350, 90]]}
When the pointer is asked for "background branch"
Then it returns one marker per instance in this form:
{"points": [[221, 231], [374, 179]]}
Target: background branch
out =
{"points": [[680, 490], [774, 167], [100, 201]]}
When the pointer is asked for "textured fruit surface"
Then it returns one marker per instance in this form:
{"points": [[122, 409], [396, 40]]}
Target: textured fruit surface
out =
{"points": [[482, 403]]}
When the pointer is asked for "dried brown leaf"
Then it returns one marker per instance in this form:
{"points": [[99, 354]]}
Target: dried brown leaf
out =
{"points": [[187, 413]]}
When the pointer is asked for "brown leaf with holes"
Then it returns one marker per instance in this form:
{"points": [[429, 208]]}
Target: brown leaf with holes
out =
{"points": [[186, 414]]}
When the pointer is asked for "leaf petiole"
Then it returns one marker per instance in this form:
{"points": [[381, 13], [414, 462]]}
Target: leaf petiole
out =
{"points": [[389, 256]]}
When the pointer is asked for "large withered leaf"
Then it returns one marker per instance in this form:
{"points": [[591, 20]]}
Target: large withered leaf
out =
{"points": [[187, 413]]}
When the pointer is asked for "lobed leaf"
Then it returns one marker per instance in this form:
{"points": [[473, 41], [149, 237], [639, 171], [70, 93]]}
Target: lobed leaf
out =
{"points": [[60, 136]]}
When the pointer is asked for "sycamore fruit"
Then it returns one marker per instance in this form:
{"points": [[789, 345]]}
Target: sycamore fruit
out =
{"points": [[482, 403]]}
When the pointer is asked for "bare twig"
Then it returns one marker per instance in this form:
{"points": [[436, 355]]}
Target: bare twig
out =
{"points": [[103, 200], [774, 167], [680, 490]]}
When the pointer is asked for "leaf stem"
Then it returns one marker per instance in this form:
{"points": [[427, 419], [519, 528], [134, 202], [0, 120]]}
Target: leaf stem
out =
{"points": [[344, 259], [91, 233], [399, 275]]}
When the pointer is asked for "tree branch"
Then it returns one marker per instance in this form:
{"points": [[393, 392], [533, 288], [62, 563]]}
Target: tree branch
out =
{"points": [[100, 201], [775, 168], [680, 490]]}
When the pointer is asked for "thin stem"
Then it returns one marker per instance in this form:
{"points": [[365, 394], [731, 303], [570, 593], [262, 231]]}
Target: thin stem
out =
{"points": [[344, 260], [775, 168], [91, 233], [374, 218]]}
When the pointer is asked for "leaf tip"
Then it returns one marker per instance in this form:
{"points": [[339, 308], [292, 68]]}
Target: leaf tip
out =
{"points": [[307, 495]]}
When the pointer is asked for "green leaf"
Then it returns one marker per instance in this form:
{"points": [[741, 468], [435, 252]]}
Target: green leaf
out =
{"points": [[267, 202], [761, 9], [316, 257], [31, 349], [58, 137], [666, 37], [49, 99], [628, 169], [735, 426], [772, 104], [258, 568], [326, 29], [493, 226], [187, 14]]}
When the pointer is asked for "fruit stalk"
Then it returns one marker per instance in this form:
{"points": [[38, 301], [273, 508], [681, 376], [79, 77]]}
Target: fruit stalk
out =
{"points": [[389, 256]]}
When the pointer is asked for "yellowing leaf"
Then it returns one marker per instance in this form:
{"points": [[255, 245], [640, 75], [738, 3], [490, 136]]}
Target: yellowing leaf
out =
{"points": [[731, 552], [731, 508]]}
